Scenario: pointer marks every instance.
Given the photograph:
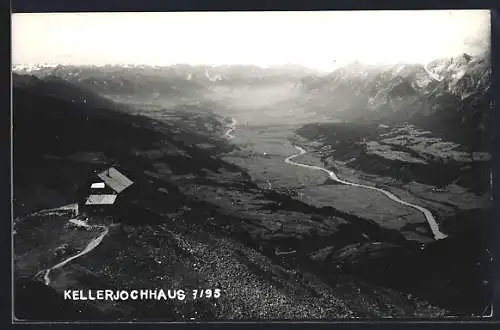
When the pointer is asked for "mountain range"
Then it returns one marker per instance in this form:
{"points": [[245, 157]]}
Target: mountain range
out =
{"points": [[447, 95], [444, 94]]}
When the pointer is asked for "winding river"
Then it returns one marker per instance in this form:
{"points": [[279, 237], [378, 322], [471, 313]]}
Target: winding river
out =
{"points": [[232, 127], [428, 214]]}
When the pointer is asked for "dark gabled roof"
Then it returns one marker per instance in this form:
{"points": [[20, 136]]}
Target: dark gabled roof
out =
{"points": [[115, 179]]}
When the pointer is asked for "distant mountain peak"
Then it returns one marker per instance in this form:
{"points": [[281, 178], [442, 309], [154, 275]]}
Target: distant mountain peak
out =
{"points": [[31, 67]]}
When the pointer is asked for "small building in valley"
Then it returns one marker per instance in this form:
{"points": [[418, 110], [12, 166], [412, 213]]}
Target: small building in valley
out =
{"points": [[104, 193]]}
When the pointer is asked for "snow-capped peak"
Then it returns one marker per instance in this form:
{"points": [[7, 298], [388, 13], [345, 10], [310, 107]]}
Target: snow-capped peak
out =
{"points": [[31, 67]]}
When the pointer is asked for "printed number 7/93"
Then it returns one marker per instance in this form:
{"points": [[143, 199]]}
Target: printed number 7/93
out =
{"points": [[206, 293]]}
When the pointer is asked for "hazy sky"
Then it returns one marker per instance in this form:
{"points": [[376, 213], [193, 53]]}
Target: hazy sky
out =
{"points": [[313, 39]]}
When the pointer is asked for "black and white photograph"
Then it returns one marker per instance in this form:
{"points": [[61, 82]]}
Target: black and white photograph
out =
{"points": [[251, 166]]}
